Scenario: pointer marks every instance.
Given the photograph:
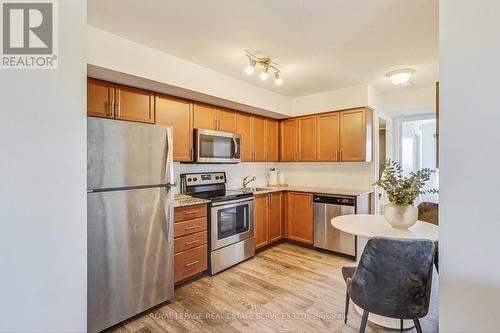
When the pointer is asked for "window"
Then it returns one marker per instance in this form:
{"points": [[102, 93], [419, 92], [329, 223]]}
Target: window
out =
{"points": [[418, 150]]}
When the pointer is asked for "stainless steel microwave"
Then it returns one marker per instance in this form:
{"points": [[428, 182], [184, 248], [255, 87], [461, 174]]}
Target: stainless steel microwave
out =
{"points": [[217, 147]]}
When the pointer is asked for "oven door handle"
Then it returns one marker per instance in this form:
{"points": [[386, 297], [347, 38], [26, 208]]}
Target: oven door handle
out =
{"points": [[224, 203]]}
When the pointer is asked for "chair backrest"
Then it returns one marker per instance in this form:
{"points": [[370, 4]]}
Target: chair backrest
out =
{"points": [[428, 212], [394, 277]]}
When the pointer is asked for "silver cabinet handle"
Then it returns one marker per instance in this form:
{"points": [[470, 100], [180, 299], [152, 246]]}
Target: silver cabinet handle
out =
{"points": [[192, 242], [111, 109], [192, 263], [192, 153], [189, 212], [271, 198], [192, 227]]}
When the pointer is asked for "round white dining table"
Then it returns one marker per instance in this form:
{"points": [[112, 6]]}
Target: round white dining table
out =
{"points": [[366, 226]]}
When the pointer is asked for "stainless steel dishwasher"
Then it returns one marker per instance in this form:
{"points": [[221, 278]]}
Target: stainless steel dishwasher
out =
{"points": [[325, 235]]}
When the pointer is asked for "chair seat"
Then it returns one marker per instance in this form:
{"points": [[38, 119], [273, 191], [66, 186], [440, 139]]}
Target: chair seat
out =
{"points": [[348, 271]]}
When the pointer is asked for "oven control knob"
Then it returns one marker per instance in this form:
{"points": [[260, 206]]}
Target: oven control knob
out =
{"points": [[189, 179], [195, 179]]}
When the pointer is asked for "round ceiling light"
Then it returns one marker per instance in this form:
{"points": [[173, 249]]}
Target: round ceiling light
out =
{"points": [[400, 77]]}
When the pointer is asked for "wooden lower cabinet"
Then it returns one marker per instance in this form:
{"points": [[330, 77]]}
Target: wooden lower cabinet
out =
{"points": [[268, 218], [190, 262], [299, 217], [275, 216], [190, 241], [260, 218]]}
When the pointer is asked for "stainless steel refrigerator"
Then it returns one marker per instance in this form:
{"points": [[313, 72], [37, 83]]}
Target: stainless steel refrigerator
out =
{"points": [[130, 219]]}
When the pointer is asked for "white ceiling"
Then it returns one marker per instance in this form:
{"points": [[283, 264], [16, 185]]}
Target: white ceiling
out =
{"points": [[320, 44]]}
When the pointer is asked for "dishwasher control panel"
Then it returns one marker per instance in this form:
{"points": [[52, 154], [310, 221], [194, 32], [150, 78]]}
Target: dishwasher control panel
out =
{"points": [[335, 200]]}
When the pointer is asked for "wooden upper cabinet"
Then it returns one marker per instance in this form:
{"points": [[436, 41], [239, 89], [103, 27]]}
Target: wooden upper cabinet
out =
{"points": [[244, 129], [272, 137], [328, 137], [204, 116], [355, 135], [177, 113], [300, 217], [226, 120], [275, 216], [134, 104], [288, 142], [307, 138], [100, 98], [261, 220], [259, 139]]}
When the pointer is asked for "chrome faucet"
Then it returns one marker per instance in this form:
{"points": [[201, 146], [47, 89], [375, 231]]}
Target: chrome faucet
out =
{"points": [[246, 182]]}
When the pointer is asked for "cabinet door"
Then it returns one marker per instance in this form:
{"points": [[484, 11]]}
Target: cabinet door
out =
{"points": [[307, 138], [288, 143], [272, 136], [328, 137], [353, 135], [300, 217], [204, 116], [259, 139], [260, 215], [134, 104], [244, 128], [178, 114], [100, 98], [227, 120], [275, 216]]}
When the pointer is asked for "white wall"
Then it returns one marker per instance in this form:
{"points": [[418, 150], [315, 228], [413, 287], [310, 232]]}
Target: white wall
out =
{"points": [[116, 53], [339, 99], [410, 99], [336, 175], [470, 159], [43, 225]]}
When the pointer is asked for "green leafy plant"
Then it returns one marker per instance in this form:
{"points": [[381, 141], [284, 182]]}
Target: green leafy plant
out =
{"points": [[403, 190]]}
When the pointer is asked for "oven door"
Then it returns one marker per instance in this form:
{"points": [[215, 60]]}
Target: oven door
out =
{"points": [[231, 222], [217, 147]]}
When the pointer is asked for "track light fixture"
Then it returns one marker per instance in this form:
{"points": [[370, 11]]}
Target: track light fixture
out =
{"points": [[266, 63]]}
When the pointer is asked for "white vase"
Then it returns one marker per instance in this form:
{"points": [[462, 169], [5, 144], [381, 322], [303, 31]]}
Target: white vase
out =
{"points": [[401, 216]]}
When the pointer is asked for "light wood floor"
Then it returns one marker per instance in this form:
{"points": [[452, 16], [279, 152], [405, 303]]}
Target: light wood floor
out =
{"points": [[285, 288]]}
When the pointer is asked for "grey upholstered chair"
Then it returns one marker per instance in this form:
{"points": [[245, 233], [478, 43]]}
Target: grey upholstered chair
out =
{"points": [[393, 279], [428, 212]]}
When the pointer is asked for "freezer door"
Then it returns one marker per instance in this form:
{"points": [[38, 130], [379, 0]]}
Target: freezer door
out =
{"points": [[124, 154], [130, 253]]}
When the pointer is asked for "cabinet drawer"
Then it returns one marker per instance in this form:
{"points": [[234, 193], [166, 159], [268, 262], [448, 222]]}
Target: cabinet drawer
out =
{"points": [[190, 262], [190, 227], [188, 242], [189, 212]]}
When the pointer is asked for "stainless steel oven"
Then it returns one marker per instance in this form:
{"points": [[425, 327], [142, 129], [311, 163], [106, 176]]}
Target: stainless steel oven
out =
{"points": [[231, 222], [217, 147]]}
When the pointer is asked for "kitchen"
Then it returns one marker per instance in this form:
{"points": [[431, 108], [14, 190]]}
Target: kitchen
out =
{"points": [[249, 166], [219, 219]]}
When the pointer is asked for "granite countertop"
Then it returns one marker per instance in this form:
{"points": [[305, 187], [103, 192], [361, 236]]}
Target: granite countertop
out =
{"points": [[181, 200], [311, 189]]}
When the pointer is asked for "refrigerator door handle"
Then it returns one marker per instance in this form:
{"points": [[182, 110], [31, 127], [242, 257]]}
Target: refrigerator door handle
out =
{"points": [[170, 157], [168, 198]]}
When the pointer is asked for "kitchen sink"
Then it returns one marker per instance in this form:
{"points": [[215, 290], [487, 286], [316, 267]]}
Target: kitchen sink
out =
{"points": [[254, 189]]}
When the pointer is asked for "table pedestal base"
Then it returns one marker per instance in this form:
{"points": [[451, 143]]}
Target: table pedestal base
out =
{"points": [[386, 321]]}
